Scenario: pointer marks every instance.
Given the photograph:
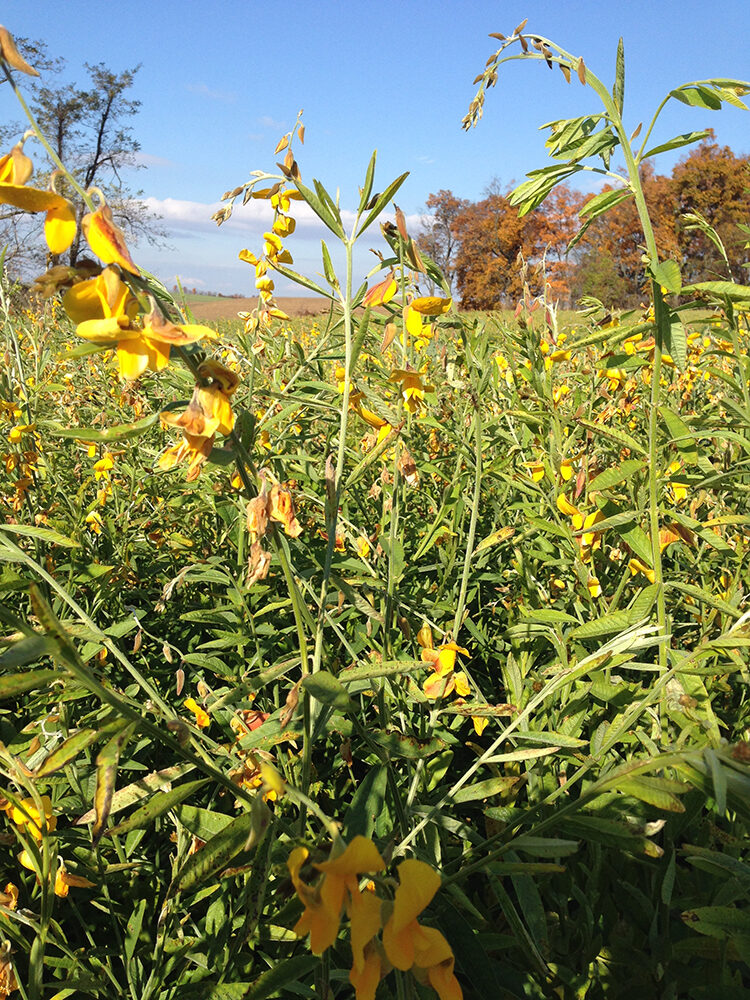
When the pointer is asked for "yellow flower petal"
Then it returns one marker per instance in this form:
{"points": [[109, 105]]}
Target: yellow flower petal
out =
{"points": [[30, 199], [60, 227], [366, 979], [418, 883], [431, 305], [360, 856], [106, 239]]}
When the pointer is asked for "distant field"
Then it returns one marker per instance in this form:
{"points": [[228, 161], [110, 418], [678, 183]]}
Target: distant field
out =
{"points": [[211, 307]]}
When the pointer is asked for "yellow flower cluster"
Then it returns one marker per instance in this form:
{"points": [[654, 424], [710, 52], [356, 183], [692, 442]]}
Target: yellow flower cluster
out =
{"points": [[405, 944]]}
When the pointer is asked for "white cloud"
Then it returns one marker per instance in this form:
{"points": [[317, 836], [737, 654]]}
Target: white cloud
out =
{"points": [[190, 282], [149, 160], [268, 122], [203, 90]]}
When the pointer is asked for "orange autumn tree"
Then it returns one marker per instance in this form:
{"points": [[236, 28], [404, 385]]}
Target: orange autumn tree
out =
{"points": [[491, 236], [616, 238], [715, 182]]}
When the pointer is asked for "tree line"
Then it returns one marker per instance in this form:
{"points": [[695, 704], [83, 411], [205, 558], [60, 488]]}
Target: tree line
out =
{"points": [[700, 211]]}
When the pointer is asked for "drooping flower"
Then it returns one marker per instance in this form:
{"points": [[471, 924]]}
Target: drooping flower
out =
{"points": [[60, 224], [106, 239], [413, 389], [431, 305], [27, 816], [407, 943], [202, 719], [382, 293], [324, 902], [138, 348]]}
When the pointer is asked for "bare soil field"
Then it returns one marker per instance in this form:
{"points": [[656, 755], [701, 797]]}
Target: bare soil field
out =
{"points": [[221, 308]]}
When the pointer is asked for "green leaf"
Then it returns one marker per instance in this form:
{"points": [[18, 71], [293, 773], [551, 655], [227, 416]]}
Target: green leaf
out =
{"points": [[44, 534], [617, 474], [686, 139], [614, 434], [721, 289], [667, 273], [331, 219], [280, 976], [106, 775], [241, 834], [602, 202], [156, 806], [718, 921], [30, 649], [397, 744], [125, 797], [17, 684], [71, 747], [301, 279], [202, 823], [681, 435], [381, 202], [118, 433], [367, 186], [675, 344], [485, 789], [654, 791], [327, 689], [697, 97], [367, 803], [532, 192]]}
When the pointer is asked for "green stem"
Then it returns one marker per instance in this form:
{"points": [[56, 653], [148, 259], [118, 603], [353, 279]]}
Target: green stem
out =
{"points": [[42, 139]]}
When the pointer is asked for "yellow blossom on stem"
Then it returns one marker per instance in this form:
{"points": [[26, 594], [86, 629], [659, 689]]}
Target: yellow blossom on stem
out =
{"points": [[104, 466], [27, 816], [106, 239], [324, 902], [413, 389], [60, 224], [409, 945], [202, 719]]}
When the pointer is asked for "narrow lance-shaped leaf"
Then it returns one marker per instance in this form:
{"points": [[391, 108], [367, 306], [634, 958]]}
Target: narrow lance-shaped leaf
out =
{"points": [[367, 186], [242, 834], [381, 202], [156, 806], [321, 209], [106, 775], [618, 91]]}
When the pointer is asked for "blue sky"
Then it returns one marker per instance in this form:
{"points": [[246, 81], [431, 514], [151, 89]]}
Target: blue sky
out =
{"points": [[220, 82]]}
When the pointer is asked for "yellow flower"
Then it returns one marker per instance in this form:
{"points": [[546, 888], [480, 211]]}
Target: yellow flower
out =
{"points": [[9, 896], [104, 297], [636, 566], [106, 239], [324, 903], [431, 305], [282, 510], [64, 880], [407, 943], [193, 449], [413, 388], [536, 470], [94, 523], [104, 466], [209, 411], [381, 293], [139, 349], [60, 223], [201, 716], [480, 723], [26, 814]]}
